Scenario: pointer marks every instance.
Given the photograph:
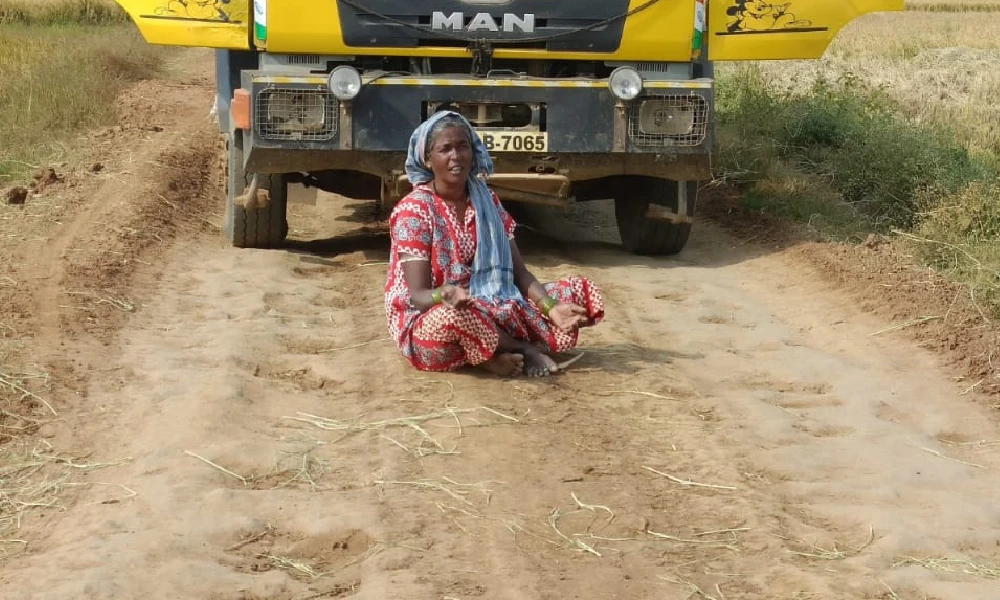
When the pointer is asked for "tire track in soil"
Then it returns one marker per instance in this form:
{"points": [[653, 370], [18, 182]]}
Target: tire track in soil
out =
{"points": [[195, 386], [104, 201], [152, 192], [96, 236]]}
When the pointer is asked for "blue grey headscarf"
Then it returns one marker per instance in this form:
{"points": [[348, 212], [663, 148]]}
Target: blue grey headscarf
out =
{"points": [[493, 267]]}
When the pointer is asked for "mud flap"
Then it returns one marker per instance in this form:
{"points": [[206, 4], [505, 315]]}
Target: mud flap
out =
{"points": [[793, 29], [200, 23]]}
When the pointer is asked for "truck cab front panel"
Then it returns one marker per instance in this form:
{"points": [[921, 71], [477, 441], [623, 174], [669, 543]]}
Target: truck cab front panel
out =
{"points": [[657, 30]]}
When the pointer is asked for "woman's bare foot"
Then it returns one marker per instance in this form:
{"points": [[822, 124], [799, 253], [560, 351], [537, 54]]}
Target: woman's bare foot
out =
{"points": [[506, 364], [538, 364]]}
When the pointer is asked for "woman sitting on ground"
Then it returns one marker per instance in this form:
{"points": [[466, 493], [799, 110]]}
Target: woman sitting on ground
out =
{"points": [[458, 292]]}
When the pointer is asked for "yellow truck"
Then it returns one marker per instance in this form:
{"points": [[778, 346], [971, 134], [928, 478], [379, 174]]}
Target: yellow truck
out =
{"points": [[577, 99]]}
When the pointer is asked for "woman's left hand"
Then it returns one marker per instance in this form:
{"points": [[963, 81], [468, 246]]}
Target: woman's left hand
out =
{"points": [[568, 316], [454, 296]]}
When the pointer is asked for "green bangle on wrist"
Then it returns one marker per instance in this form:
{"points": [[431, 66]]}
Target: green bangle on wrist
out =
{"points": [[547, 304], [436, 296]]}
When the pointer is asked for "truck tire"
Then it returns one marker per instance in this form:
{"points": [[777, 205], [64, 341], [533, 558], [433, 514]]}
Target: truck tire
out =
{"points": [[265, 227], [646, 236]]}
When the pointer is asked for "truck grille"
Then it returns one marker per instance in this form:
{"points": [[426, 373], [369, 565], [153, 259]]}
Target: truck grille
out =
{"points": [[496, 115], [296, 113], [665, 121]]}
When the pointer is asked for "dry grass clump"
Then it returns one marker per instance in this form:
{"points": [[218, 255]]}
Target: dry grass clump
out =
{"points": [[959, 234], [23, 394], [834, 552], [58, 81], [425, 443], [291, 469], [61, 12], [34, 477], [953, 5], [22, 486], [975, 567]]}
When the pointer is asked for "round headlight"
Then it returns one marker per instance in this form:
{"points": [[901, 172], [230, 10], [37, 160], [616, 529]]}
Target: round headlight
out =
{"points": [[345, 82], [625, 83]]}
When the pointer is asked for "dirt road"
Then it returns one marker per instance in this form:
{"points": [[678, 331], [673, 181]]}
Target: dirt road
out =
{"points": [[734, 430]]}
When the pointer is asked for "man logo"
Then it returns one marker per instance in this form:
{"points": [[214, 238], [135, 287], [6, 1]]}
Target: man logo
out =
{"points": [[509, 22]]}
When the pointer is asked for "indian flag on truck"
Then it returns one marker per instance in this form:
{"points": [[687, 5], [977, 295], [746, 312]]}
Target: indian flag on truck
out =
{"points": [[647, 30]]}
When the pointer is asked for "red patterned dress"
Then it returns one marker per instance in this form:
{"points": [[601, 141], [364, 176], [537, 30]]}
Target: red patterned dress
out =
{"points": [[424, 226]]}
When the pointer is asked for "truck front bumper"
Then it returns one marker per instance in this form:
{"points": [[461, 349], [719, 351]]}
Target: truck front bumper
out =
{"points": [[578, 130]]}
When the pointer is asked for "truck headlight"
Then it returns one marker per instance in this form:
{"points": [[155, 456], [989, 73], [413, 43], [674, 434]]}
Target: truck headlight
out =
{"points": [[295, 113], [345, 82], [666, 117], [625, 83]]}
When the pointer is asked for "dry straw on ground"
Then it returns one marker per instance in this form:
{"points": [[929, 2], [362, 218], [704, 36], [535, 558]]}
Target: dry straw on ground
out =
{"points": [[686, 482], [983, 569], [33, 478], [426, 443], [302, 468], [835, 552], [950, 6]]}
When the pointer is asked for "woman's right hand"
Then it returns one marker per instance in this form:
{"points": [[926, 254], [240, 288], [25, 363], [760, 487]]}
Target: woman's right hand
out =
{"points": [[454, 296], [567, 316]]}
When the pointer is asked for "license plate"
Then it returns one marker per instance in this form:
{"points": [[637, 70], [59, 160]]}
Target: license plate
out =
{"points": [[515, 141]]}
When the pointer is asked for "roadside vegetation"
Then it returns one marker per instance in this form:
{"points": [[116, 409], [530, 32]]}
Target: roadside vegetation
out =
{"points": [[61, 12], [892, 134], [62, 63]]}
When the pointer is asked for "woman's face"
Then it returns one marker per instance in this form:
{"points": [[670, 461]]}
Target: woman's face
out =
{"points": [[451, 156]]}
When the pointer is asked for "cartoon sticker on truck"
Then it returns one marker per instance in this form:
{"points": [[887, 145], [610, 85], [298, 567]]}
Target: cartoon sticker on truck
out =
{"points": [[757, 16], [197, 10]]}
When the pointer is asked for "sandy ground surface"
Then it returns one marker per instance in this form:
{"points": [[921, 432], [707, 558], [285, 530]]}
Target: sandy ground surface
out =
{"points": [[234, 424]]}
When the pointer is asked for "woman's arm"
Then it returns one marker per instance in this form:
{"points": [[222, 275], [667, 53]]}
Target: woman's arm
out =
{"points": [[525, 281], [562, 315], [565, 316], [417, 275], [412, 233]]}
